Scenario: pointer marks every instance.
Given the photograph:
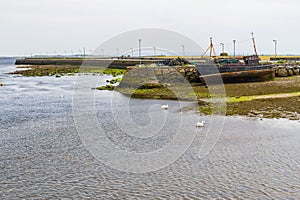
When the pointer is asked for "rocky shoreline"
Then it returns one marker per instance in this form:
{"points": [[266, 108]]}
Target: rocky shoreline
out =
{"points": [[64, 70], [270, 106], [279, 98]]}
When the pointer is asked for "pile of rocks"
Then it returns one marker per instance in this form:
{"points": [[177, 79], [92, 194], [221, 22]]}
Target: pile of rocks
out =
{"points": [[176, 62], [284, 71], [274, 113]]}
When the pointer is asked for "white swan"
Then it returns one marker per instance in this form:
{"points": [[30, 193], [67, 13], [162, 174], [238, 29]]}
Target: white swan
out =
{"points": [[200, 124], [165, 106]]}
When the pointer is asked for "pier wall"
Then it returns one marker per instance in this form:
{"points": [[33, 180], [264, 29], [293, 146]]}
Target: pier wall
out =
{"points": [[111, 63], [151, 77]]}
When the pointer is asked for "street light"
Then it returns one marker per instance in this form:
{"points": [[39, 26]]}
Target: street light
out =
{"points": [[222, 44], [183, 53], [275, 47], [234, 47], [154, 51], [140, 48]]}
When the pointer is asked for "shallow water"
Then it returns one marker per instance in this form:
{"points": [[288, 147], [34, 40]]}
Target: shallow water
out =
{"points": [[43, 156]]}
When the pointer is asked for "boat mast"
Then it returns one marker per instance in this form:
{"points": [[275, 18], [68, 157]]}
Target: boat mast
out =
{"points": [[253, 40], [211, 49]]}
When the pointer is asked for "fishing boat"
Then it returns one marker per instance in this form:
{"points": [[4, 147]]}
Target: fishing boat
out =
{"points": [[232, 70], [235, 71]]}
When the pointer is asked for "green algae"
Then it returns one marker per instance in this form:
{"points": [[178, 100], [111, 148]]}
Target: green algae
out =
{"points": [[51, 70]]}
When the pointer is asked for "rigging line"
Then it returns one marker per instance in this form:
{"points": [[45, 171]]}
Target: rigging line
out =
{"points": [[218, 45], [237, 42], [243, 41]]}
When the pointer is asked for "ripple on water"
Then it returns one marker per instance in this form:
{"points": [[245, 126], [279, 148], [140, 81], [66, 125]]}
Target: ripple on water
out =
{"points": [[42, 155]]}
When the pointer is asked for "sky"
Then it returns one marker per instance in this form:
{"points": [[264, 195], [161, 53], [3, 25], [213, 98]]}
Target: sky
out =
{"points": [[67, 26]]}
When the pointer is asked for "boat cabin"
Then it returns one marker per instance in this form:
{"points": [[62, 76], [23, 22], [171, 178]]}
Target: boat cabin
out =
{"points": [[251, 60]]}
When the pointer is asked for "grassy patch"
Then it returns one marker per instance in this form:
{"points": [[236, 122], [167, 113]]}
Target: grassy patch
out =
{"points": [[51, 70], [278, 85], [105, 87], [206, 109], [153, 93], [99, 70], [268, 108], [115, 80]]}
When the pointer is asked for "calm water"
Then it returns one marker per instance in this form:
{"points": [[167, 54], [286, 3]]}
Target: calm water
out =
{"points": [[42, 155]]}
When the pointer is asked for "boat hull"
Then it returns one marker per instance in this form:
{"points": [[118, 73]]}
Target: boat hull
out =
{"points": [[239, 76]]}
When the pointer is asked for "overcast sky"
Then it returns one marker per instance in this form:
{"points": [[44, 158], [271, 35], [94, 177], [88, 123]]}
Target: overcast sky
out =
{"points": [[49, 26]]}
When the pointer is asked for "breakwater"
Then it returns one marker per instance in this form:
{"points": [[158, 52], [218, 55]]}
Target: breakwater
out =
{"points": [[111, 63], [189, 72], [157, 76]]}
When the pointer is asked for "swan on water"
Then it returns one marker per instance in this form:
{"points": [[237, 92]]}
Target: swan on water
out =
{"points": [[165, 106], [200, 124]]}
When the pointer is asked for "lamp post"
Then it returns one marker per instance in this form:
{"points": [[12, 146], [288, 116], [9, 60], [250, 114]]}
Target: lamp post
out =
{"points": [[183, 52], [275, 47], [154, 51], [234, 47], [222, 44]]}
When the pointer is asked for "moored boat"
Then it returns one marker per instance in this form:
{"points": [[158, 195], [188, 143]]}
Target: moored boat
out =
{"points": [[233, 70]]}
